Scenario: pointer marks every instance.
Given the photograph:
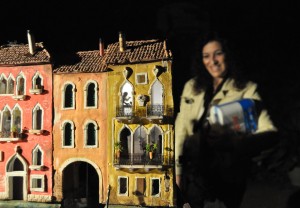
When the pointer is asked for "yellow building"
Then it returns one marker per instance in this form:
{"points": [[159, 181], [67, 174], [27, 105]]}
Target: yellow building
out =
{"points": [[140, 115], [80, 131]]}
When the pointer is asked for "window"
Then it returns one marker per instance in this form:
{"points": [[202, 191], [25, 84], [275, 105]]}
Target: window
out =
{"points": [[140, 186], [6, 122], [68, 134], [155, 187], [20, 85], [37, 156], [156, 137], [90, 134], [37, 81], [141, 78], [68, 96], [139, 140], [37, 117], [157, 93], [90, 94], [37, 183], [17, 119], [10, 86], [7, 85], [3, 84], [122, 186], [126, 99]]}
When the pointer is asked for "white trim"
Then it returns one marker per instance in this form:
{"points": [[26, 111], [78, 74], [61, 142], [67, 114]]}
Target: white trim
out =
{"points": [[20, 75], [62, 129], [85, 133], [73, 96], [35, 76], [127, 182], [141, 74], [34, 156], [151, 186], [37, 189], [34, 117], [85, 89]]}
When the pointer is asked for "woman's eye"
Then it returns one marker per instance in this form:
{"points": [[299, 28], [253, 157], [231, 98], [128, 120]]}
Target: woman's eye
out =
{"points": [[219, 53]]}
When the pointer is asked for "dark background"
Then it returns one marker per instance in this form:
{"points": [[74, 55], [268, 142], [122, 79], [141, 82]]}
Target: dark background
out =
{"points": [[262, 33]]}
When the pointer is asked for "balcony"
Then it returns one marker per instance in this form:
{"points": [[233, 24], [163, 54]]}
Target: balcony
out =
{"points": [[36, 91], [150, 113], [36, 131], [10, 136], [141, 161]]}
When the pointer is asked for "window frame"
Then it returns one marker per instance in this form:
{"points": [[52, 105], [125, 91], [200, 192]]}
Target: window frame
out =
{"points": [[72, 134], [39, 189], [85, 134], [119, 186], [151, 187], [137, 75], [86, 94], [73, 96]]}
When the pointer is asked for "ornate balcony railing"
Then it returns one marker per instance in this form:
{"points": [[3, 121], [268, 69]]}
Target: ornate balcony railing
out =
{"points": [[124, 111], [139, 159], [158, 111]]}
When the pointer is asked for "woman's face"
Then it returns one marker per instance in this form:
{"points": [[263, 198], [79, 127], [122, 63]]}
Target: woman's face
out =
{"points": [[214, 59]]}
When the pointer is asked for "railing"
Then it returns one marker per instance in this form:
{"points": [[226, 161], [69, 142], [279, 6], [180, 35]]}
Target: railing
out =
{"points": [[124, 111], [152, 111], [139, 159]]}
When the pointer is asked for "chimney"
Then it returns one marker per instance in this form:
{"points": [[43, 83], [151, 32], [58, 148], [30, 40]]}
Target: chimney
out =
{"points": [[31, 42], [101, 47], [122, 42]]}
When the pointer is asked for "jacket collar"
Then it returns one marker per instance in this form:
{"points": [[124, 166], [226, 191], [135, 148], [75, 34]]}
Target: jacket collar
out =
{"points": [[227, 86]]}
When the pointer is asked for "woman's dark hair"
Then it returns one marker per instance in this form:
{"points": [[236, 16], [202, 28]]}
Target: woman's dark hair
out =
{"points": [[202, 77]]}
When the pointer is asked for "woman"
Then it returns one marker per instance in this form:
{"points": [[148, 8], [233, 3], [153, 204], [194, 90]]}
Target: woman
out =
{"points": [[211, 161]]}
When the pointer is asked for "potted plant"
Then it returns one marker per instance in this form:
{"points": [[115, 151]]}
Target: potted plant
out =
{"points": [[150, 148], [14, 131], [141, 99], [118, 148]]}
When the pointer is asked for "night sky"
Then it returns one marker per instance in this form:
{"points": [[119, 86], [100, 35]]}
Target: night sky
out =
{"points": [[263, 33]]}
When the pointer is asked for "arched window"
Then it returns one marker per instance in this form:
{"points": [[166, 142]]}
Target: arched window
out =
{"points": [[69, 96], [10, 86], [139, 140], [3, 85], [37, 156], [156, 108], [90, 94], [68, 134], [17, 119], [126, 99], [156, 137], [91, 134], [6, 122], [20, 85], [37, 118], [125, 139], [37, 81], [15, 164]]}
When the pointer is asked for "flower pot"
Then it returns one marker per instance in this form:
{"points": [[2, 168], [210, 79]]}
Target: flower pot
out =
{"points": [[150, 155], [294, 176]]}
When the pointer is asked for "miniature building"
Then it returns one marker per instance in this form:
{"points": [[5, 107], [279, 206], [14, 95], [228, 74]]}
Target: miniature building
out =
{"points": [[80, 131], [25, 122], [140, 117]]}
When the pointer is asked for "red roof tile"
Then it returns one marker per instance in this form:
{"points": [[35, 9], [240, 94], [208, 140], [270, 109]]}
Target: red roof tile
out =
{"points": [[18, 54], [137, 52], [89, 62]]}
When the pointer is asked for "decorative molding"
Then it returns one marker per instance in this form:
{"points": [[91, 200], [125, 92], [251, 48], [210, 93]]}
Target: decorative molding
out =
{"points": [[39, 198]]}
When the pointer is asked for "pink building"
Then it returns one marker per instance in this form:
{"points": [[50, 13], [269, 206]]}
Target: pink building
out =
{"points": [[25, 122]]}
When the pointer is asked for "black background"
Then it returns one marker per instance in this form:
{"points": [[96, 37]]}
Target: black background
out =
{"points": [[262, 33]]}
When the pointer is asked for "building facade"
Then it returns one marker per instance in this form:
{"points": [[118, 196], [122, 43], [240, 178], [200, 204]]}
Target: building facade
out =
{"points": [[25, 122], [80, 131], [141, 118]]}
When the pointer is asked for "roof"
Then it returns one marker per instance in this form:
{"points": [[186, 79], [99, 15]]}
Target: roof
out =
{"points": [[89, 62], [18, 54], [137, 52]]}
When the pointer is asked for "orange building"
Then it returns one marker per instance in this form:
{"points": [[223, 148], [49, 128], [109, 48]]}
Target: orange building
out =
{"points": [[80, 131], [25, 122]]}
